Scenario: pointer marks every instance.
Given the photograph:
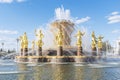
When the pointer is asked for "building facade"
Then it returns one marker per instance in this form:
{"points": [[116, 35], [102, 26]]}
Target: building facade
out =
{"points": [[118, 47]]}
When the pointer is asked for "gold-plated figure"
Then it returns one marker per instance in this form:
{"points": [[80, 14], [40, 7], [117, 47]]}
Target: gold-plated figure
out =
{"points": [[59, 38], [25, 40], [39, 36], [79, 38], [100, 42], [94, 41]]}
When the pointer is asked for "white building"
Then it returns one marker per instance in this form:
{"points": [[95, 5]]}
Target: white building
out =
{"points": [[117, 50]]}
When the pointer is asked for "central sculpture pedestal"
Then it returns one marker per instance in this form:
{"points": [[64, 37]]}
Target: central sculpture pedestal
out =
{"points": [[60, 54], [59, 58], [60, 51], [79, 59]]}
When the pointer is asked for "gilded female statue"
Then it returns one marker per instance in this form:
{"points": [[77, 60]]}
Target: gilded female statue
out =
{"points": [[100, 42], [59, 38], [94, 41], [25, 40], [39, 36], [79, 38]]}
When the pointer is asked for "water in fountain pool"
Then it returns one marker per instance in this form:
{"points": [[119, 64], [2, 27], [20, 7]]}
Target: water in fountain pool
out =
{"points": [[9, 70]]}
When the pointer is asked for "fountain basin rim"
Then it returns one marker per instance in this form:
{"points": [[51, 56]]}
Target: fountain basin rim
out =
{"points": [[55, 56]]}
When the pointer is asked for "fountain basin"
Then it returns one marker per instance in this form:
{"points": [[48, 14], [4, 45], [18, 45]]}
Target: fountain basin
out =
{"points": [[55, 59]]}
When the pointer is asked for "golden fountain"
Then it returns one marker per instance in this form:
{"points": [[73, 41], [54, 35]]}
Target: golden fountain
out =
{"points": [[62, 28]]}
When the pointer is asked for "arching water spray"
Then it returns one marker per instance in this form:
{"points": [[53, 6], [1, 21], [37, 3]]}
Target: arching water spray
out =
{"points": [[63, 20]]}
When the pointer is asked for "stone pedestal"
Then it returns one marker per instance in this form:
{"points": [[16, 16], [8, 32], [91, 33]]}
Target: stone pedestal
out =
{"points": [[25, 52], [100, 52], [39, 51], [21, 52], [94, 51], [79, 51], [60, 51], [39, 55]]}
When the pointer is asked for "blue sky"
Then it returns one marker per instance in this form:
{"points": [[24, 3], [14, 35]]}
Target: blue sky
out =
{"points": [[18, 16]]}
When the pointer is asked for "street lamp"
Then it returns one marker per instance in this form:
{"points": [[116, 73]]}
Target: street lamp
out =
{"points": [[107, 49], [2, 46], [17, 43]]}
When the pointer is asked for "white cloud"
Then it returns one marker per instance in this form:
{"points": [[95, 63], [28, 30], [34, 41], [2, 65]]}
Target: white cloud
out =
{"points": [[82, 20], [116, 31], [6, 1], [20, 0], [8, 32], [10, 1], [114, 13], [6, 39], [114, 17]]}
